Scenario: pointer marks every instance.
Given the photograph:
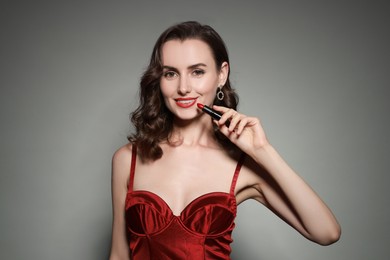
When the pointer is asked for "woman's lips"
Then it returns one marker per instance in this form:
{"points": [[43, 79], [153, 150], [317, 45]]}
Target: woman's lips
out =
{"points": [[185, 102]]}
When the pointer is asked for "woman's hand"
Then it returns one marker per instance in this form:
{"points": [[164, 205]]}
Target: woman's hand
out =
{"points": [[245, 132]]}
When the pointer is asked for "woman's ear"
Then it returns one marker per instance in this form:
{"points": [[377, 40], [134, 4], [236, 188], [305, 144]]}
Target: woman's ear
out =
{"points": [[223, 73]]}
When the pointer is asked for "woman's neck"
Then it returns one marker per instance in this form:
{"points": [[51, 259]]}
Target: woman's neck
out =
{"points": [[198, 131]]}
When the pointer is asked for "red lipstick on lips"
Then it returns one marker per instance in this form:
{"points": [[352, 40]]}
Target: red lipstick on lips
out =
{"points": [[185, 102]]}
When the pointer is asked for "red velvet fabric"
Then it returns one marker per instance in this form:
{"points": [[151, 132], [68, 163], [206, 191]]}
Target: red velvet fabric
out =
{"points": [[202, 230]]}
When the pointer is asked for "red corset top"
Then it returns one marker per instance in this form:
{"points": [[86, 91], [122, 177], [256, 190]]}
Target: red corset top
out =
{"points": [[201, 231]]}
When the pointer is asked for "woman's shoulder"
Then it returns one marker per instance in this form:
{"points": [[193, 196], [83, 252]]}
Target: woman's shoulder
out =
{"points": [[121, 161], [123, 154]]}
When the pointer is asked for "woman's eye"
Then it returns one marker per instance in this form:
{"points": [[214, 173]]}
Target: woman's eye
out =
{"points": [[198, 73], [169, 74]]}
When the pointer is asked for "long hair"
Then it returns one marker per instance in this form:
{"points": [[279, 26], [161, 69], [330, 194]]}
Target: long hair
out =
{"points": [[152, 120]]}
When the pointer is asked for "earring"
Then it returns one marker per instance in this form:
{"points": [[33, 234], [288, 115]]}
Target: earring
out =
{"points": [[220, 94]]}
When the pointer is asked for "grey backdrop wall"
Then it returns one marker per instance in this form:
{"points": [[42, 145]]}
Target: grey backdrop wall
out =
{"points": [[315, 72]]}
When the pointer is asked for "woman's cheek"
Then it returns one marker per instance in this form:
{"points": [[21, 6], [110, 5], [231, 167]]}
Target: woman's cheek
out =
{"points": [[206, 86], [167, 88]]}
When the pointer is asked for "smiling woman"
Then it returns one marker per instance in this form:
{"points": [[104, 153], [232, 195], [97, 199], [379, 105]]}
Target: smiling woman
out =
{"points": [[152, 119], [177, 183], [190, 75]]}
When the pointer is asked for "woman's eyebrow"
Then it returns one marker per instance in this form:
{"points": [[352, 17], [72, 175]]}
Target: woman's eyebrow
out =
{"points": [[167, 67], [197, 65]]}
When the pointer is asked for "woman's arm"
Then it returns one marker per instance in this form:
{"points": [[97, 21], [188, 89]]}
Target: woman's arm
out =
{"points": [[276, 185], [284, 192], [120, 175]]}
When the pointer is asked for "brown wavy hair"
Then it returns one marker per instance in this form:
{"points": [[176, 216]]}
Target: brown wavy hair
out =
{"points": [[152, 120]]}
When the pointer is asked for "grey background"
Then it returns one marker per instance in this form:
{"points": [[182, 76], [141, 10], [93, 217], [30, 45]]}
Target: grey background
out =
{"points": [[315, 72]]}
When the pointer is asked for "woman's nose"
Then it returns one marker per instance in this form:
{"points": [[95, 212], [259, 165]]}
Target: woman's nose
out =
{"points": [[184, 86]]}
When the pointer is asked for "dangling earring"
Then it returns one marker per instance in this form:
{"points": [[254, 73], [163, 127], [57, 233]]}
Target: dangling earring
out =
{"points": [[220, 94]]}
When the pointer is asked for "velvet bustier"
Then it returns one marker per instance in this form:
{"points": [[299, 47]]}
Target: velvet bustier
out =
{"points": [[201, 231]]}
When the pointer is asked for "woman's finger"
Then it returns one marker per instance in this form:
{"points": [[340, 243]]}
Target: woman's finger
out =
{"points": [[234, 120]]}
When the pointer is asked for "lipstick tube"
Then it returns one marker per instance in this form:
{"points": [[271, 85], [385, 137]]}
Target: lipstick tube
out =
{"points": [[214, 114]]}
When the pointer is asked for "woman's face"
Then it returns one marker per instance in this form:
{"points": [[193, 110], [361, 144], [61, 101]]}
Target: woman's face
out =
{"points": [[190, 76]]}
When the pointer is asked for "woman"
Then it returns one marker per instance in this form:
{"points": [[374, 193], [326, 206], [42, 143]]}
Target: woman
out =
{"points": [[177, 184]]}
